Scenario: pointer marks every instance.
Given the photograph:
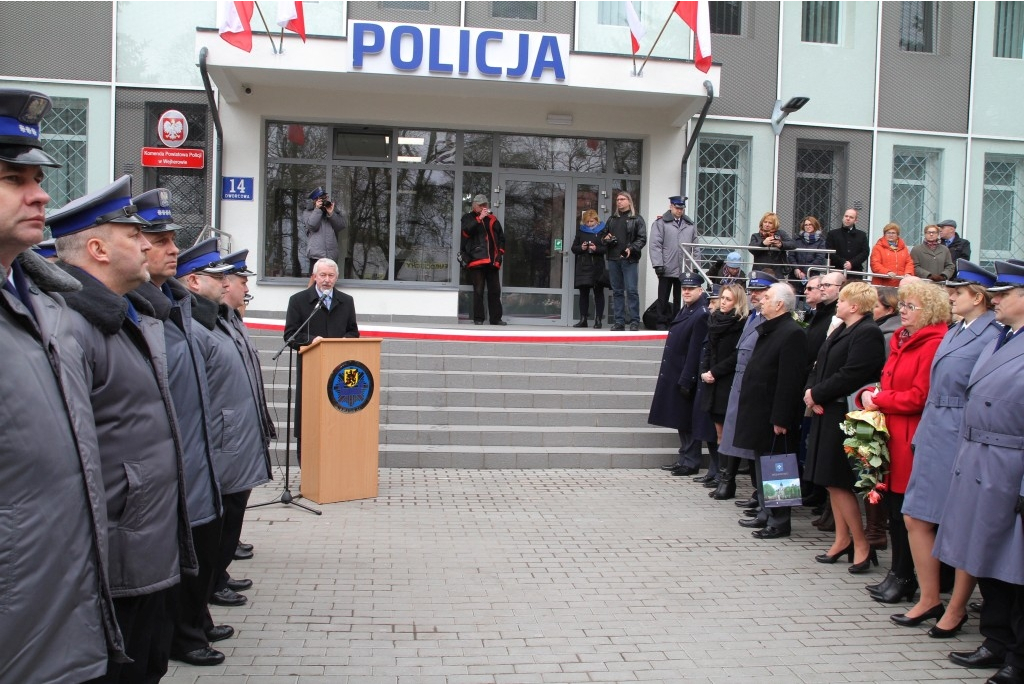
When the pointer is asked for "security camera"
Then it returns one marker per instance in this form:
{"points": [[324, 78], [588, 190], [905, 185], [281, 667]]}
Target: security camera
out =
{"points": [[247, 89]]}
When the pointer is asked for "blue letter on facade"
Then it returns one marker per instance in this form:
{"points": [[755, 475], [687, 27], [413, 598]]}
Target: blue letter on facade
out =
{"points": [[481, 53], [435, 53], [359, 48], [524, 57], [396, 48], [548, 57]]}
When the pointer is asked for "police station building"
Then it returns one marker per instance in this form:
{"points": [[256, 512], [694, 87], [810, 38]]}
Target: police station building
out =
{"points": [[403, 111]]}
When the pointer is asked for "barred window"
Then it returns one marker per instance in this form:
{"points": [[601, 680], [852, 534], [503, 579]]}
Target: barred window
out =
{"points": [[917, 26], [820, 180], [1002, 208], [405, 5], [915, 190], [515, 10], [723, 182], [725, 17], [820, 22], [1009, 30], [64, 137]]}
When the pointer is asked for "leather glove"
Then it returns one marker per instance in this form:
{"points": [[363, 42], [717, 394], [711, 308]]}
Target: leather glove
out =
{"points": [[659, 271], [1019, 509], [938, 278]]}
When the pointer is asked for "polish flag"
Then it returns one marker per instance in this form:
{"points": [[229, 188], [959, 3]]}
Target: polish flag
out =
{"points": [[636, 29], [290, 16], [233, 22], [695, 14]]}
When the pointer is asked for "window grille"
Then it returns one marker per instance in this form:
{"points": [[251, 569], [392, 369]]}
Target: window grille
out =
{"points": [[725, 17], [64, 136], [515, 10], [723, 181], [1009, 30], [820, 179], [917, 26], [405, 5], [915, 190], [1002, 208], [820, 22]]}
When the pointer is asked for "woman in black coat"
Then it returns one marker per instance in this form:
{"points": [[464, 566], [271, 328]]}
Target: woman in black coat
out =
{"points": [[589, 247], [851, 358]]}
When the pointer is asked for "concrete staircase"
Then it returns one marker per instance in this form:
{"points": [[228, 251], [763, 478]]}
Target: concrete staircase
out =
{"points": [[450, 404]]}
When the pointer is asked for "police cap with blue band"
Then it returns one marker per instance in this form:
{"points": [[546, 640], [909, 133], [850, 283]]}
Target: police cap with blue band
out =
{"points": [[46, 249], [203, 258], [1008, 276], [677, 201], [969, 273], [760, 280], [237, 262], [21, 112], [155, 207], [110, 205], [691, 280]]}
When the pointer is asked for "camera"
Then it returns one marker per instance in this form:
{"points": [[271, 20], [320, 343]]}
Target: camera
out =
{"points": [[326, 202], [610, 240]]}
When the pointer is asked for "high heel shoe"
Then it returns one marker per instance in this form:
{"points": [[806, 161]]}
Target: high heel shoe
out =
{"points": [[935, 612], [884, 585], [864, 566], [941, 633], [827, 558], [899, 589]]}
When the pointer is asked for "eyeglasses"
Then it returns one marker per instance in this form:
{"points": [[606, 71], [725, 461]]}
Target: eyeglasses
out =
{"points": [[907, 306], [823, 286]]}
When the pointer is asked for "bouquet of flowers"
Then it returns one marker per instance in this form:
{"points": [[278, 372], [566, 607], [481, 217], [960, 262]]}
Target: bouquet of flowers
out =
{"points": [[867, 451]]}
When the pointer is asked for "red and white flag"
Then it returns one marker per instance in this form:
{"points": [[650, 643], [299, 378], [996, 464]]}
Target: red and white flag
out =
{"points": [[636, 28], [233, 21], [695, 14], [290, 16]]}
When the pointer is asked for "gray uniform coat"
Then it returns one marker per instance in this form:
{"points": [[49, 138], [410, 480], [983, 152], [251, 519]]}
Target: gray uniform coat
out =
{"points": [[979, 531], [126, 368], [56, 611], [935, 440], [191, 394], [665, 239], [322, 233], [251, 357], [744, 351], [239, 450]]}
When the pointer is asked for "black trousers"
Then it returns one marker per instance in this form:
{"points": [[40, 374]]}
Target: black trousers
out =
{"points": [[666, 312], [231, 533], [1002, 619], [902, 559], [194, 591], [585, 301], [147, 625], [490, 277]]}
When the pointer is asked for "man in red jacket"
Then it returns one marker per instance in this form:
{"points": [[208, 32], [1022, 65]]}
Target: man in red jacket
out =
{"points": [[483, 248]]}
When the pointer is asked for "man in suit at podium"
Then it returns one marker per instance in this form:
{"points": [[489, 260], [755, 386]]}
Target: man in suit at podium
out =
{"points": [[335, 315]]}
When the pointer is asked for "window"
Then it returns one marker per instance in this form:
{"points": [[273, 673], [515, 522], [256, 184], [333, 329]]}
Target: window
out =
{"points": [[1002, 208], [514, 10], [723, 178], [917, 26], [820, 22], [614, 13], [915, 190], [820, 180], [1009, 29], [401, 5], [725, 17], [64, 134]]}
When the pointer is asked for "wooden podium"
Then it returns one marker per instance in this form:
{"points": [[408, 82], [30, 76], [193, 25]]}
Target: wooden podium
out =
{"points": [[340, 419]]}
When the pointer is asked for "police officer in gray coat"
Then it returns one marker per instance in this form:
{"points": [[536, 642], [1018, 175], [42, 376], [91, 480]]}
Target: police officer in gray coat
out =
{"points": [[58, 614], [100, 241], [322, 223], [982, 526], [668, 231]]}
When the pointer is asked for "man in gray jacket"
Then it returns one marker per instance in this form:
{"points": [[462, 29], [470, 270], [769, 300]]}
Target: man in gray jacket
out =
{"points": [[58, 615], [322, 223], [100, 241], [668, 231]]}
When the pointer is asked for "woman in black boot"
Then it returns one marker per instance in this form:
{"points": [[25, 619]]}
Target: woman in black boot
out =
{"points": [[589, 249]]}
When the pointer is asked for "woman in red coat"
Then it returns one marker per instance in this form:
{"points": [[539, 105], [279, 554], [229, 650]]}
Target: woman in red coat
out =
{"points": [[924, 313], [891, 257]]}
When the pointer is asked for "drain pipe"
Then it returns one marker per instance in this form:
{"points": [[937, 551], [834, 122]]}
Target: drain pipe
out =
{"points": [[218, 155], [710, 88]]}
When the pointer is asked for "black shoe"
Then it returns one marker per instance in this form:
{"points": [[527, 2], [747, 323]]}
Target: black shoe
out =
{"points": [[982, 657], [711, 484], [245, 546], [865, 566], [827, 558], [725, 490], [883, 586], [753, 511], [597, 322], [900, 588], [941, 633], [1008, 674], [228, 598], [685, 471], [935, 612], [618, 327], [770, 533], [706, 478], [753, 522], [218, 633], [239, 584], [204, 656], [478, 323], [499, 323], [977, 607], [747, 503], [241, 554], [634, 326], [670, 467], [582, 323]]}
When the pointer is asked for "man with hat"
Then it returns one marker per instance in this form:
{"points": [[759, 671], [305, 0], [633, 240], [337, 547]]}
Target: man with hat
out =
{"points": [[186, 343], [673, 404], [100, 241], [240, 455], [58, 619], [322, 222], [757, 284], [981, 530], [483, 249], [958, 247], [668, 231]]}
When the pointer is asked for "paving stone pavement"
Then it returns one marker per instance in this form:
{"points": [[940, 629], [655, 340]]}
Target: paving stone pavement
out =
{"points": [[553, 575]]}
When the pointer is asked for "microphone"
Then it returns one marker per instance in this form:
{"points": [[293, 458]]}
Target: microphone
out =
{"points": [[320, 302]]}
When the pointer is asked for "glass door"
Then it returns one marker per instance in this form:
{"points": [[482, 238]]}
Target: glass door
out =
{"points": [[593, 195]]}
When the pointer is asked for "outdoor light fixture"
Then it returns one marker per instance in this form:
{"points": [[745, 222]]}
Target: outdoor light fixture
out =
{"points": [[782, 111], [559, 119]]}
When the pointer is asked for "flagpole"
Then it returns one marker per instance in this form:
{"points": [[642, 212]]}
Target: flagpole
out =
{"points": [[281, 51], [267, 28], [651, 52]]}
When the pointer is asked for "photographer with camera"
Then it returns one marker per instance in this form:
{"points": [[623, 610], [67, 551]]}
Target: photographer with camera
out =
{"points": [[322, 223]]}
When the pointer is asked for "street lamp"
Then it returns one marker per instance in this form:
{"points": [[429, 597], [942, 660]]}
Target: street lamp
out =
{"points": [[782, 111]]}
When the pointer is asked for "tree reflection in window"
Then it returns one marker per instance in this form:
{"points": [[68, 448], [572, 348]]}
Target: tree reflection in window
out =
{"points": [[423, 225], [363, 195], [287, 196], [552, 154]]}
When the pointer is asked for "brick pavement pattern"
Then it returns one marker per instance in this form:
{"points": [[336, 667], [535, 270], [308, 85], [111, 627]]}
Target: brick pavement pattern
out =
{"points": [[554, 575]]}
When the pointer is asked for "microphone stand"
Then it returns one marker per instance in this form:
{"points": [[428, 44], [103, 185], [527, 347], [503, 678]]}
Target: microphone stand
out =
{"points": [[286, 495]]}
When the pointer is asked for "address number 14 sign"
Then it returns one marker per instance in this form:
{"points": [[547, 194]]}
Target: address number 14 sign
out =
{"points": [[236, 188]]}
